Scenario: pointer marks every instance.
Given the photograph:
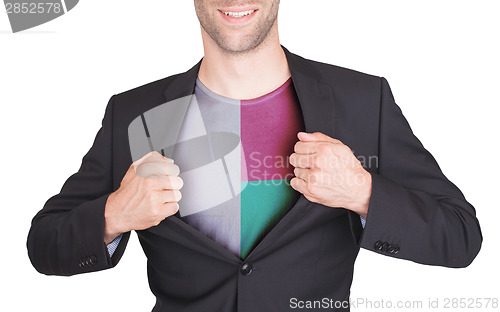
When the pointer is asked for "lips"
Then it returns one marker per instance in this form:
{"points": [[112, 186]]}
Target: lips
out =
{"points": [[237, 15]]}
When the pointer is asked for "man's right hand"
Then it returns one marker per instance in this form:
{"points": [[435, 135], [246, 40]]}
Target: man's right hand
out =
{"points": [[148, 193]]}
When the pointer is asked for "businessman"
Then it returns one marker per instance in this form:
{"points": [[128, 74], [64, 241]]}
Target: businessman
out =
{"points": [[253, 179]]}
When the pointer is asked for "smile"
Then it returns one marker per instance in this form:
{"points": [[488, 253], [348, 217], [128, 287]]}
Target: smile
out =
{"points": [[238, 14]]}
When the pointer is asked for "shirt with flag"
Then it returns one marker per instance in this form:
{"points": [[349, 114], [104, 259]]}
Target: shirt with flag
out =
{"points": [[266, 130], [233, 157]]}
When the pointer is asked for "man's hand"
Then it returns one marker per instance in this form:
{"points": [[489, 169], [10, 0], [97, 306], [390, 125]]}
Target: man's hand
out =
{"points": [[327, 172], [148, 193]]}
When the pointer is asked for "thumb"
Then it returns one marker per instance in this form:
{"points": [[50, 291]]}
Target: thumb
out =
{"points": [[316, 137], [147, 157], [152, 156]]}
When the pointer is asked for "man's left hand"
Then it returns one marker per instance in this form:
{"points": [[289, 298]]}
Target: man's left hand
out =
{"points": [[327, 172]]}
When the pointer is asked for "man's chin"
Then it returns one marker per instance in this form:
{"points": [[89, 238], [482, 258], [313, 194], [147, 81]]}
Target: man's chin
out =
{"points": [[239, 45], [239, 50]]}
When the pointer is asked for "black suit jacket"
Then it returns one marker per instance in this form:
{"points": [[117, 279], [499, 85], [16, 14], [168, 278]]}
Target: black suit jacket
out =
{"points": [[415, 212]]}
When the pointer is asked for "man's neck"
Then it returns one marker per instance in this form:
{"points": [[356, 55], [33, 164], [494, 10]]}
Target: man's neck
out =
{"points": [[244, 76]]}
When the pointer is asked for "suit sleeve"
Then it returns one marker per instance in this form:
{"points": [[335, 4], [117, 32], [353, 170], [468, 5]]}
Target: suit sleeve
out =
{"points": [[67, 236], [415, 212]]}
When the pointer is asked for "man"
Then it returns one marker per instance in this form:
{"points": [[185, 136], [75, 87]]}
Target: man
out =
{"points": [[246, 236]]}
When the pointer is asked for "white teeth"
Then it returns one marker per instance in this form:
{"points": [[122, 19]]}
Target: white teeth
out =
{"points": [[239, 14]]}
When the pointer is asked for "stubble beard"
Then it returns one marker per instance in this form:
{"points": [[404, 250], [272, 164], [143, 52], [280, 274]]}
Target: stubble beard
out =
{"points": [[247, 44]]}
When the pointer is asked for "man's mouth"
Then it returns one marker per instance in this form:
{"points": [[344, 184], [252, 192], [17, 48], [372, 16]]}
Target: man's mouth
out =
{"points": [[239, 14]]}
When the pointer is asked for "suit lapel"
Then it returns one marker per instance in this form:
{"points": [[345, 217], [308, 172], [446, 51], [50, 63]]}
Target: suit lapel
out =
{"points": [[315, 98], [183, 84], [318, 109]]}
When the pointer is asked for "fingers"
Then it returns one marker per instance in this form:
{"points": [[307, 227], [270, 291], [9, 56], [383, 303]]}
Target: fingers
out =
{"points": [[171, 183], [316, 137], [171, 208], [150, 155], [301, 186], [302, 173], [139, 161], [172, 196], [157, 169], [163, 184], [303, 147], [169, 160], [170, 204], [298, 184], [171, 169], [311, 176], [302, 161], [154, 156], [312, 147]]}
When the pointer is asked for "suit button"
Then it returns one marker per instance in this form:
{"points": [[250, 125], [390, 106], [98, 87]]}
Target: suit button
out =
{"points": [[390, 249], [93, 260], [396, 249], [246, 269], [384, 246], [378, 245], [82, 263]]}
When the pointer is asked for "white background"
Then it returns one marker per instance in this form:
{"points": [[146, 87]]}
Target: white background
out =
{"points": [[440, 58]]}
